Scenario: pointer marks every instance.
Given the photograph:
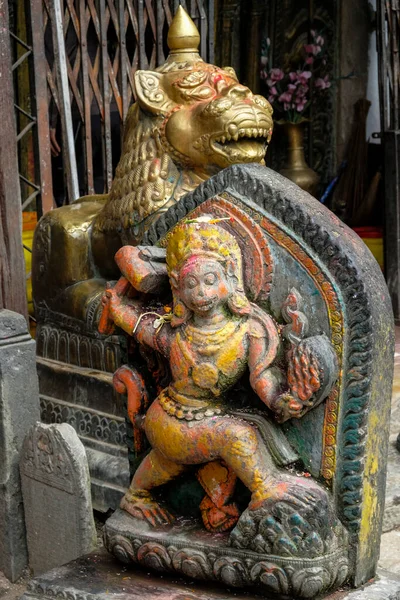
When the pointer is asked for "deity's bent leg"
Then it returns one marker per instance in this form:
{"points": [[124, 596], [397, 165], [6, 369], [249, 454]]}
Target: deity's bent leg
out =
{"points": [[153, 471], [242, 449]]}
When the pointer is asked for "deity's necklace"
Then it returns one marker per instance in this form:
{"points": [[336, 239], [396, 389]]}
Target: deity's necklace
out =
{"points": [[204, 374]]}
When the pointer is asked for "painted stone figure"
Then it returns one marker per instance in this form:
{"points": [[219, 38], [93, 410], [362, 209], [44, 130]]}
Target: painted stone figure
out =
{"points": [[212, 335], [259, 456]]}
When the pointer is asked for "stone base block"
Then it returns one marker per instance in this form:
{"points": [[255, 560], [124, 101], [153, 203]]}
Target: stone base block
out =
{"points": [[99, 576], [185, 548]]}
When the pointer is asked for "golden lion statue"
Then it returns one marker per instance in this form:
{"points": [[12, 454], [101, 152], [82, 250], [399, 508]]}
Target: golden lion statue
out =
{"points": [[191, 119]]}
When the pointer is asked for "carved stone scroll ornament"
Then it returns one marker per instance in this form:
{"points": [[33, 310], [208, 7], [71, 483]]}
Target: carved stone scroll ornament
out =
{"points": [[211, 335]]}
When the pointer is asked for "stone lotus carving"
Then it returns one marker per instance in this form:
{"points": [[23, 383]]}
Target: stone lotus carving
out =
{"points": [[209, 335]]}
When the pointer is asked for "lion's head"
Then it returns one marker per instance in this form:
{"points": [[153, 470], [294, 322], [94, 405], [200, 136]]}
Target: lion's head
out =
{"points": [[209, 120], [191, 119]]}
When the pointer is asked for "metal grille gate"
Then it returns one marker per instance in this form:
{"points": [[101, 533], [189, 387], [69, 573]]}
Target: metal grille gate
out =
{"points": [[82, 55]]}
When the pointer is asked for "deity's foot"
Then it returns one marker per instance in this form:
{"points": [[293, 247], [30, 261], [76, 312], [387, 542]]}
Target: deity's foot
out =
{"points": [[141, 505], [218, 519], [295, 516]]}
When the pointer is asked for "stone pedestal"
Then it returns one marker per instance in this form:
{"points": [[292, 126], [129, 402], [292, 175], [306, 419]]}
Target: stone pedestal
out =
{"points": [[98, 576], [19, 409]]}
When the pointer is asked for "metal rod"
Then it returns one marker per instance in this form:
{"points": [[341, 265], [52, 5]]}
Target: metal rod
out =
{"points": [[65, 103], [29, 200], [25, 130], [123, 58], [106, 99], [20, 60], [160, 26], [25, 180], [17, 39], [87, 101], [211, 33], [143, 64], [21, 110]]}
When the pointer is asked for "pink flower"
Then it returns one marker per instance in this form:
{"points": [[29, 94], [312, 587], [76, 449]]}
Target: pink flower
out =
{"points": [[273, 91], [323, 83], [293, 76], [320, 40], [276, 74], [303, 77], [285, 97], [271, 99], [291, 87], [302, 91], [300, 106], [264, 60], [309, 60], [313, 49]]}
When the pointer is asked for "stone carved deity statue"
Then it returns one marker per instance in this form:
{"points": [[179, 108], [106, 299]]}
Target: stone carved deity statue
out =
{"points": [[211, 335]]}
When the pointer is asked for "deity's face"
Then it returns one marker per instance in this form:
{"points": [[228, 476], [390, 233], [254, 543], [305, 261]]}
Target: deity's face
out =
{"points": [[203, 286]]}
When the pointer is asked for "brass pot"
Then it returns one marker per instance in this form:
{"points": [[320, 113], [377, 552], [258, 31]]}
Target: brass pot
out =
{"points": [[296, 169]]}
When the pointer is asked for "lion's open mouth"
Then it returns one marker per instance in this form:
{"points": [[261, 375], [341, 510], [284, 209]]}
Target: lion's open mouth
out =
{"points": [[246, 144]]}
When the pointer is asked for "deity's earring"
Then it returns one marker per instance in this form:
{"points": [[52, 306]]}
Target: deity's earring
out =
{"points": [[238, 303], [179, 309], [180, 313]]}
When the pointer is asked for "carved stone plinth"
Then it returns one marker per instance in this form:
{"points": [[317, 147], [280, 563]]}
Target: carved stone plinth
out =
{"points": [[98, 576], [187, 550]]}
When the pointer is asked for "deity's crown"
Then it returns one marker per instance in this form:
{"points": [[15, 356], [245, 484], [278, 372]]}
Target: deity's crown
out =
{"points": [[203, 238]]}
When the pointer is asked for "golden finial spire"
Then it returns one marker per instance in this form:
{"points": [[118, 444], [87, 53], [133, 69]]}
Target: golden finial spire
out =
{"points": [[183, 35]]}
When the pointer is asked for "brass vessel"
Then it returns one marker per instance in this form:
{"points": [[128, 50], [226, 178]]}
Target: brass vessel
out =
{"points": [[296, 169]]}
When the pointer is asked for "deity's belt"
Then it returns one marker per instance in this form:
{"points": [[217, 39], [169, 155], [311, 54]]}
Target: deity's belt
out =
{"points": [[184, 407]]}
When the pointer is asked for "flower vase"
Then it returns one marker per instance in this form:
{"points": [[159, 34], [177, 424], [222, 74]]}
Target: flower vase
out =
{"points": [[296, 169]]}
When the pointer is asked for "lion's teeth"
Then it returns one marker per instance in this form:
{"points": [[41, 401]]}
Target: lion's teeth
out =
{"points": [[223, 139], [236, 137], [255, 132], [242, 132]]}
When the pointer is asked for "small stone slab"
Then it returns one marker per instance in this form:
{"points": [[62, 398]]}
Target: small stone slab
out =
{"points": [[19, 410], [57, 500], [99, 576]]}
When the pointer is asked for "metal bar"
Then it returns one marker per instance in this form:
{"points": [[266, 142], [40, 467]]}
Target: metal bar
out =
{"points": [[25, 130], [203, 30], [160, 26], [21, 60], [382, 68], [143, 64], [21, 110], [29, 200], [64, 98], [25, 180], [123, 58], [106, 99], [86, 98], [150, 16], [211, 33], [167, 11], [17, 39]]}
